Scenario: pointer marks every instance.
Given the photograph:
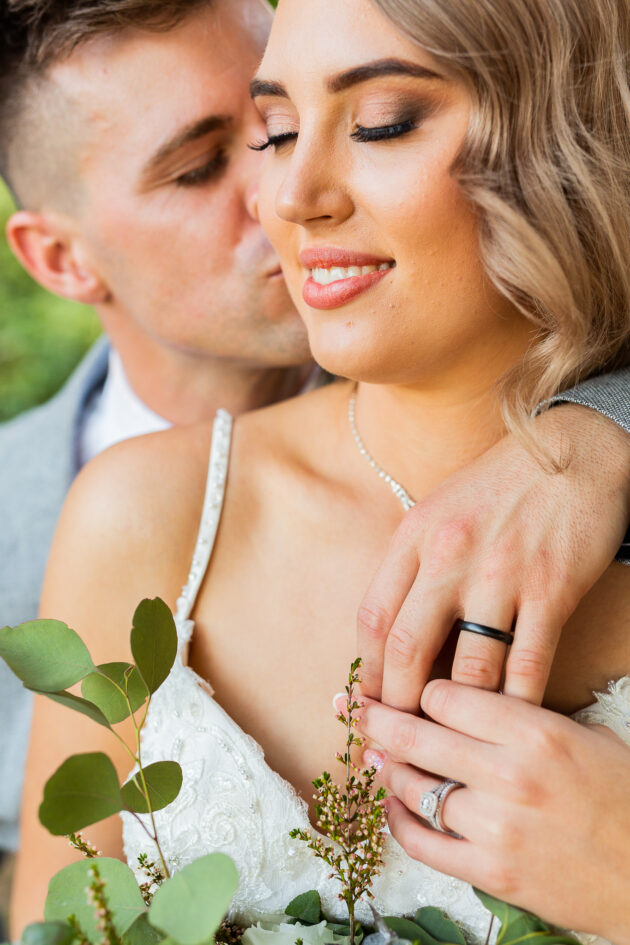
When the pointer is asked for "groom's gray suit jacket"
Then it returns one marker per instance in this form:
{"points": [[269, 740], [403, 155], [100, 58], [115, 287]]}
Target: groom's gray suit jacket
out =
{"points": [[38, 461]]}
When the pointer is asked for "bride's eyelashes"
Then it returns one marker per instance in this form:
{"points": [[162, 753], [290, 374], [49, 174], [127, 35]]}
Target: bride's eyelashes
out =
{"points": [[273, 141], [361, 133], [384, 132]]}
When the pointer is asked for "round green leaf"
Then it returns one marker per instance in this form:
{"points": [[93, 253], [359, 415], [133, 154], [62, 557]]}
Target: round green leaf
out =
{"points": [[406, 929], [153, 641], [190, 905], [48, 933], [81, 792], [103, 688], [79, 705], [307, 907], [163, 779], [142, 932], [66, 896], [45, 654], [438, 924]]}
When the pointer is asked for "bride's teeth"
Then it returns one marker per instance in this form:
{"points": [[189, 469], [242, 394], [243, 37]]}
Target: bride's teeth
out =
{"points": [[337, 273]]}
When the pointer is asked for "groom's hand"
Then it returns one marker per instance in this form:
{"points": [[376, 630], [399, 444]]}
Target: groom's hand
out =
{"points": [[501, 541]]}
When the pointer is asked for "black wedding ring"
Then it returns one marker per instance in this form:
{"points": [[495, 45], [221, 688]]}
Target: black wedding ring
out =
{"points": [[501, 635]]}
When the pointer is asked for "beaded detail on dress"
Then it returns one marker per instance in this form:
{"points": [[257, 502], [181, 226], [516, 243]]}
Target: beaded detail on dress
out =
{"points": [[232, 801]]}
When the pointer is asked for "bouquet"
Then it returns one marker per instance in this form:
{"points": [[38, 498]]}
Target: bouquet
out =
{"points": [[98, 900]]}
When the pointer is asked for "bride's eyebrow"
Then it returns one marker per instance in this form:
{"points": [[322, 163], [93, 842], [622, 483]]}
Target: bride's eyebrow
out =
{"points": [[345, 80]]}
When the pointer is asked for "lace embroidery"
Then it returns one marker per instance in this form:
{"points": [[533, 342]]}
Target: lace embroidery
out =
{"points": [[612, 709], [232, 801]]}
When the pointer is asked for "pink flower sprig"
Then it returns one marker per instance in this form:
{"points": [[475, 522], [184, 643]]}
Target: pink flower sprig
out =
{"points": [[155, 878], [95, 894], [353, 817], [77, 841]]}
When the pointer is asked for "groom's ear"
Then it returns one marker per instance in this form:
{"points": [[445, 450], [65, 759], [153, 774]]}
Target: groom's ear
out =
{"points": [[52, 254]]}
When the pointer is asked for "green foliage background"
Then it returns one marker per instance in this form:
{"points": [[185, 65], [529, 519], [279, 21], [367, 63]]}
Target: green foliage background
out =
{"points": [[42, 337]]}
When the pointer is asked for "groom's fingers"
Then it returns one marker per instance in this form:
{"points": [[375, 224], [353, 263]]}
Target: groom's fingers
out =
{"points": [[417, 635], [379, 608], [536, 637]]}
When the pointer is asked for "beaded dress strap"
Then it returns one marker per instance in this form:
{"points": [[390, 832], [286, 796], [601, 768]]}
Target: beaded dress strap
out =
{"points": [[211, 513]]}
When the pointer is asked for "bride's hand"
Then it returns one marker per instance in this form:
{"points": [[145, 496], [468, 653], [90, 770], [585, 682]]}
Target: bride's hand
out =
{"points": [[544, 811], [500, 539]]}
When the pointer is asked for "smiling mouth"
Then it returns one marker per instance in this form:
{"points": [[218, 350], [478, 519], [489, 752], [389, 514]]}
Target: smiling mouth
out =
{"points": [[323, 276]]}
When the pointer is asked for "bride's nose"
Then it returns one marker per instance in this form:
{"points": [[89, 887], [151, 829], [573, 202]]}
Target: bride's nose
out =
{"points": [[313, 186]]}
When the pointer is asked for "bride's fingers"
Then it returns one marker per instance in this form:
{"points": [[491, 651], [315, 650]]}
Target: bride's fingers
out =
{"points": [[449, 855], [409, 785], [424, 744], [487, 716]]}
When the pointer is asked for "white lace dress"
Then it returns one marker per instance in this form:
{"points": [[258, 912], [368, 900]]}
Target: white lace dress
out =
{"points": [[232, 801]]}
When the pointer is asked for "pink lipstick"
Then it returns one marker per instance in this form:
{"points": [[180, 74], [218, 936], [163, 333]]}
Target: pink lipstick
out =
{"points": [[339, 275]]}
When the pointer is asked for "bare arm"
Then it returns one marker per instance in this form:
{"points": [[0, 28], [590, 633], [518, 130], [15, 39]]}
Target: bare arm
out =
{"points": [[115, 544]]}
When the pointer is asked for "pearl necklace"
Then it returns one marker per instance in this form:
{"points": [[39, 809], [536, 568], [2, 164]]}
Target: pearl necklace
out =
{"points": [[399, 491]]}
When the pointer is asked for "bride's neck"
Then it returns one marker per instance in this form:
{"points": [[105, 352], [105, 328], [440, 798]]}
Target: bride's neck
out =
{"points": [[420, 437]]}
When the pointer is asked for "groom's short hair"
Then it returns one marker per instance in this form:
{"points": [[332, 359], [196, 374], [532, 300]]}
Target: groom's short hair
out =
{"points": [[36, 34]]}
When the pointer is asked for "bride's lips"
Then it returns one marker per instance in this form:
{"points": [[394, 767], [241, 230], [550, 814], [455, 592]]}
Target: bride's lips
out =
{"points": [[342, 290]]}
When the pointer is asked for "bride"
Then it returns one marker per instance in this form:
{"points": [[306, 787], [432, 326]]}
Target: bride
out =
{"points": [[447, 186]]}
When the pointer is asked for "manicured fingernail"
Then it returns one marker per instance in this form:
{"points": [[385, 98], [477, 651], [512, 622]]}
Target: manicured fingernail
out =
{"points": [[339, 701], [374, 759]]}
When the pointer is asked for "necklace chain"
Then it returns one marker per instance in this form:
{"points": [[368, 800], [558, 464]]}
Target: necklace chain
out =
{"points": [[399, 491]]}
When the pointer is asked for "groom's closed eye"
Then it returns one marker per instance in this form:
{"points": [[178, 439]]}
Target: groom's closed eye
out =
{"points": [[192, 156]]}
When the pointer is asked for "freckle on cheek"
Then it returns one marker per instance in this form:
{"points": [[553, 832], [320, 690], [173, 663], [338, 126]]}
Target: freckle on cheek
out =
{"points": [[349, 324]]}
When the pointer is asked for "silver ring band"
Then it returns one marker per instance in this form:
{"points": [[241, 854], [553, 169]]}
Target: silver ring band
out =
{"points": [[432, 802]]}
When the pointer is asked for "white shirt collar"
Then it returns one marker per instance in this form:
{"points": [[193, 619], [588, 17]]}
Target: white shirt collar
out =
{"points": [[116, 414]]}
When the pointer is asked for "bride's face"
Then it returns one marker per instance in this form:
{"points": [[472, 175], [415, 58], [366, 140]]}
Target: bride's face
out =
{"points": [[364, 128]]}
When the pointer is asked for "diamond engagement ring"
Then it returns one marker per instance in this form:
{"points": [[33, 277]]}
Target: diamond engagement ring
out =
{"points": [[432, 802]]}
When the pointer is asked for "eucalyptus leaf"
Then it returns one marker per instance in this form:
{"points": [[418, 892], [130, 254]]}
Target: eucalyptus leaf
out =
{"points": [[103, 688], [306, 908], [48, 933], [82, 791], [66, 896], [406, 929], [438, 924], [79, 705], [190, 905], [153, 641], [163, 780], [45, 654], [142, 932]]}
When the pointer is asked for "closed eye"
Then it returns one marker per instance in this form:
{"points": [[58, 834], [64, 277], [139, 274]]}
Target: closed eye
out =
{"points": [[205, 172], [384, 132], [273, 141]]}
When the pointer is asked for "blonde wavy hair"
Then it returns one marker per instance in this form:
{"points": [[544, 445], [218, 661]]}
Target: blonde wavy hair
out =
{"points": [[546, 161]]}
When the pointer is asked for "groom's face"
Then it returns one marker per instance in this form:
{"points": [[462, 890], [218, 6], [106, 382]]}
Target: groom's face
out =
{"points": [[167, 187]]}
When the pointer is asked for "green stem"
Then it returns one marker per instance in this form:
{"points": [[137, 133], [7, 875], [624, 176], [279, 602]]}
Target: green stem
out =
{"points": [[145, 789]]}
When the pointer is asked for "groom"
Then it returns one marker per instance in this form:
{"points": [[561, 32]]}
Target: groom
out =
{"points": [[124, 127]]}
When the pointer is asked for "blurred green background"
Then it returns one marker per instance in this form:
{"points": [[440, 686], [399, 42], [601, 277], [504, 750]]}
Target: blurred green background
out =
{"points": [[42, 337]]}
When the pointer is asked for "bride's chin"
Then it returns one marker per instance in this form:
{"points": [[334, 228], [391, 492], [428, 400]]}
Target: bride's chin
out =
{"points": [[369, 367]]}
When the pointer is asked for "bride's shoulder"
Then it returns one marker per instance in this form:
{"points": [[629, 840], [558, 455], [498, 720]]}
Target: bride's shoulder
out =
{"points": [[129, 523]]}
